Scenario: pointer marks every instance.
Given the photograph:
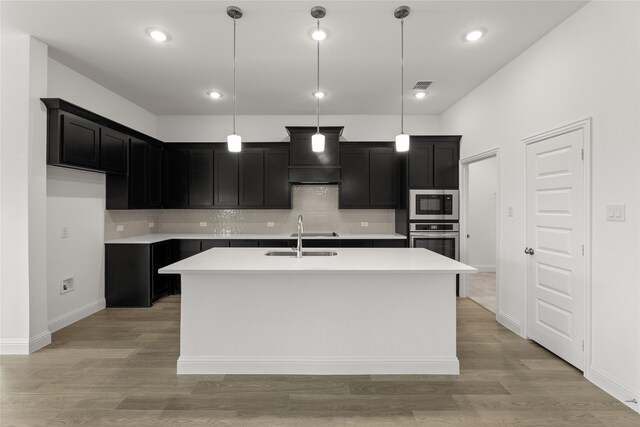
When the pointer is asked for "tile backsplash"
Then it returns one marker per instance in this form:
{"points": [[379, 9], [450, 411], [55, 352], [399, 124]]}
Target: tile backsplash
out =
{"points": [[317, 203]]}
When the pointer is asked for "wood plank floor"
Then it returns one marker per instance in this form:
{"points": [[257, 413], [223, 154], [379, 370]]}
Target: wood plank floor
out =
{"points": [[118, 367]]}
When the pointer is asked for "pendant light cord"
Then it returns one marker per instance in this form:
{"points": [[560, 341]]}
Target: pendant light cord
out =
{"points": [[402, 76], [234, 76], [318, 79]]}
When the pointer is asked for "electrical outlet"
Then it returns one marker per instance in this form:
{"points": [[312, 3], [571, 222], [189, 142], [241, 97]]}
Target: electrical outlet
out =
{"points": [[203, 224], [119, 227], [64, 232], [364, 224], [66, 285], [271, 224], [152, 224]]}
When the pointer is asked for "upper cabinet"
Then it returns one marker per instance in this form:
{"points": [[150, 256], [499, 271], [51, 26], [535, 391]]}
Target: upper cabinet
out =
{"points": [[141, 188], [369, 178], [307, 166], [433, 162], [209, 176], [80, 139]]}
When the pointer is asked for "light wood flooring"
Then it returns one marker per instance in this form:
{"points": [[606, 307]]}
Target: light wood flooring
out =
{"points": [[118, 367], [482, 289]]}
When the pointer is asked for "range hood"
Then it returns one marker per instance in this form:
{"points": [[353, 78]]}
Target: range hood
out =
{"points": [[309, 167]]}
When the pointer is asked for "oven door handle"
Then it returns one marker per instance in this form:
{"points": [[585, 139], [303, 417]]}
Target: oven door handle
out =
{"points": [[435, 235]]}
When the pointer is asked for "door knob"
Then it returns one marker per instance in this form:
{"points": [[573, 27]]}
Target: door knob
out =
{"points": [[529, 251]]}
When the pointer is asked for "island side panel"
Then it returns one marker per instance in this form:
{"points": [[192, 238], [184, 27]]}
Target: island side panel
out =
{"points": [[318, 323]]}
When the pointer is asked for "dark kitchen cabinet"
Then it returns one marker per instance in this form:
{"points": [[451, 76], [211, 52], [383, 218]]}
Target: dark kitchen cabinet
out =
{"points": [[252, 186], [390, 243], [356, 243], [244, 243], [80, 142], [131, 273], [369, 178], [184, 248], [226, 179], [201, 179], [145, 175], [208, 244], [277, 190], [354, 186], [433, 162], [382, 166], [160, 257], [113, 151], [176, 178]]}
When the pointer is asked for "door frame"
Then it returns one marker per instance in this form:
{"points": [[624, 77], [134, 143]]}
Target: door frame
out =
{"points": [[464, 219], [585, 126]]}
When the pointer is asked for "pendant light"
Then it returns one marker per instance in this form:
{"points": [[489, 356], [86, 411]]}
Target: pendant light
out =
{"points": [[402, 140], [317, 140], [234, 141]]}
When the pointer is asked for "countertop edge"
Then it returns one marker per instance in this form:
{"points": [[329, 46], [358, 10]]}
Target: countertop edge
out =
{"points": [[147, 239]]}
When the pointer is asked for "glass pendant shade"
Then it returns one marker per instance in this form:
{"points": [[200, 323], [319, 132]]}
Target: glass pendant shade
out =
{"points": [[317, 142], [234, 143], [402, 142]]}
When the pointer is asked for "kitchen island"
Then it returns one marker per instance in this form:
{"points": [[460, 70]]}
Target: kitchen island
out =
{"points": [[362, 311]]}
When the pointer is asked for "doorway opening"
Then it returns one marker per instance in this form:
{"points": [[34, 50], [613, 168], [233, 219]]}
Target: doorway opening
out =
{"points": [[480, 227]]}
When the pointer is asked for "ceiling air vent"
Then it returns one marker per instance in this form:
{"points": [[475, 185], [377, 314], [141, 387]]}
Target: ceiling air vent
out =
{"points": [[422, 86]]}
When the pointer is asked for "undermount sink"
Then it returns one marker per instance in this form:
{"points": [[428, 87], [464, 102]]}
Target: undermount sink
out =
{"points": [[332, 234], [304, 253]]}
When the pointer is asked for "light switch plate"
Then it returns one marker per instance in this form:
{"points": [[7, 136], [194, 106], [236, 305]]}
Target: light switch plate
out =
{"points": [[616, 213], [203, 224], [119, 227], [364, 224], [271, 224], [152, 224]]}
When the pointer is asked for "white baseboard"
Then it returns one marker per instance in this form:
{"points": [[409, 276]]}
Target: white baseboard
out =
{"points": [[485, 268], [77, 314], [25, 345], [620, 391], [328, 366], [510, 323]]}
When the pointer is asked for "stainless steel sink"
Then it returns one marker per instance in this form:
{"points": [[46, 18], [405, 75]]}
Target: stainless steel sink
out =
{"points": [[332, 234], [304, 253]]}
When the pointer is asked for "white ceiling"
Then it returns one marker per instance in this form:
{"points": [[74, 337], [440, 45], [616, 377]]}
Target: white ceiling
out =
{"points": [[360, 60]]}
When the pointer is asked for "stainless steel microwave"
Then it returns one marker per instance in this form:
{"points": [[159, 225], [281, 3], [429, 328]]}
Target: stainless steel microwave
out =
{"points": [[433, 205]]}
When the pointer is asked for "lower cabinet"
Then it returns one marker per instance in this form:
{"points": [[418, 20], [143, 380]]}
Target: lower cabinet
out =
{"points": [[131, 270], [131, 273]]}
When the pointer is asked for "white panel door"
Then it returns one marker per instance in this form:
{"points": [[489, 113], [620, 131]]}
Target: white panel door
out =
{"points": [[555, 230]]}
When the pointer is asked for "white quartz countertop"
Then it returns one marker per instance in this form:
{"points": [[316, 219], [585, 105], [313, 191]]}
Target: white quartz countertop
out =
{"points": [[348, 260], [155, 238]]}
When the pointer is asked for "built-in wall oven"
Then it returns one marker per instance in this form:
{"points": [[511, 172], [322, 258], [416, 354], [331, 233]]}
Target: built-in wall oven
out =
{"points": [[442, 238], [433, 205]]}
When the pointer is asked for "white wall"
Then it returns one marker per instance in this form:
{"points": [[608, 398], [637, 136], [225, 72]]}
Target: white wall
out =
{"points": [[23, 308], [589, 66], [272, 128], [481, 224], [76, 200]]}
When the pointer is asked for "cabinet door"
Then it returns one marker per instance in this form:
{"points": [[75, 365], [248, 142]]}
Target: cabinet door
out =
{"points": [[176, 178], [226, 179], [113, 151], [421, 165], [137, 173], [382, 188], [445, 164], [200, 177], [356, 243], [252, 178], [354, 187], [80, 142], [244, 243], [160, 257], [185, 248], [277, 191], [390, 243], [154, 177], [211, 243]]}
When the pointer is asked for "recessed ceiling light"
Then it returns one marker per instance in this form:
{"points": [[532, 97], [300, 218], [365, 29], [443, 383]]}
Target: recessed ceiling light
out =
{"points": [[420, 95], [319, 94], [157, 35], [474, 35], [319, 35], [214, 94]]}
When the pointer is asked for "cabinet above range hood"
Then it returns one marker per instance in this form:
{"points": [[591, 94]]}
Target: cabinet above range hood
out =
{"points": [[309, 167]]}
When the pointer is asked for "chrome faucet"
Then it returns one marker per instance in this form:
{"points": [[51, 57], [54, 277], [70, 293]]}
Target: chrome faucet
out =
{"points": [[300, 231]]}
